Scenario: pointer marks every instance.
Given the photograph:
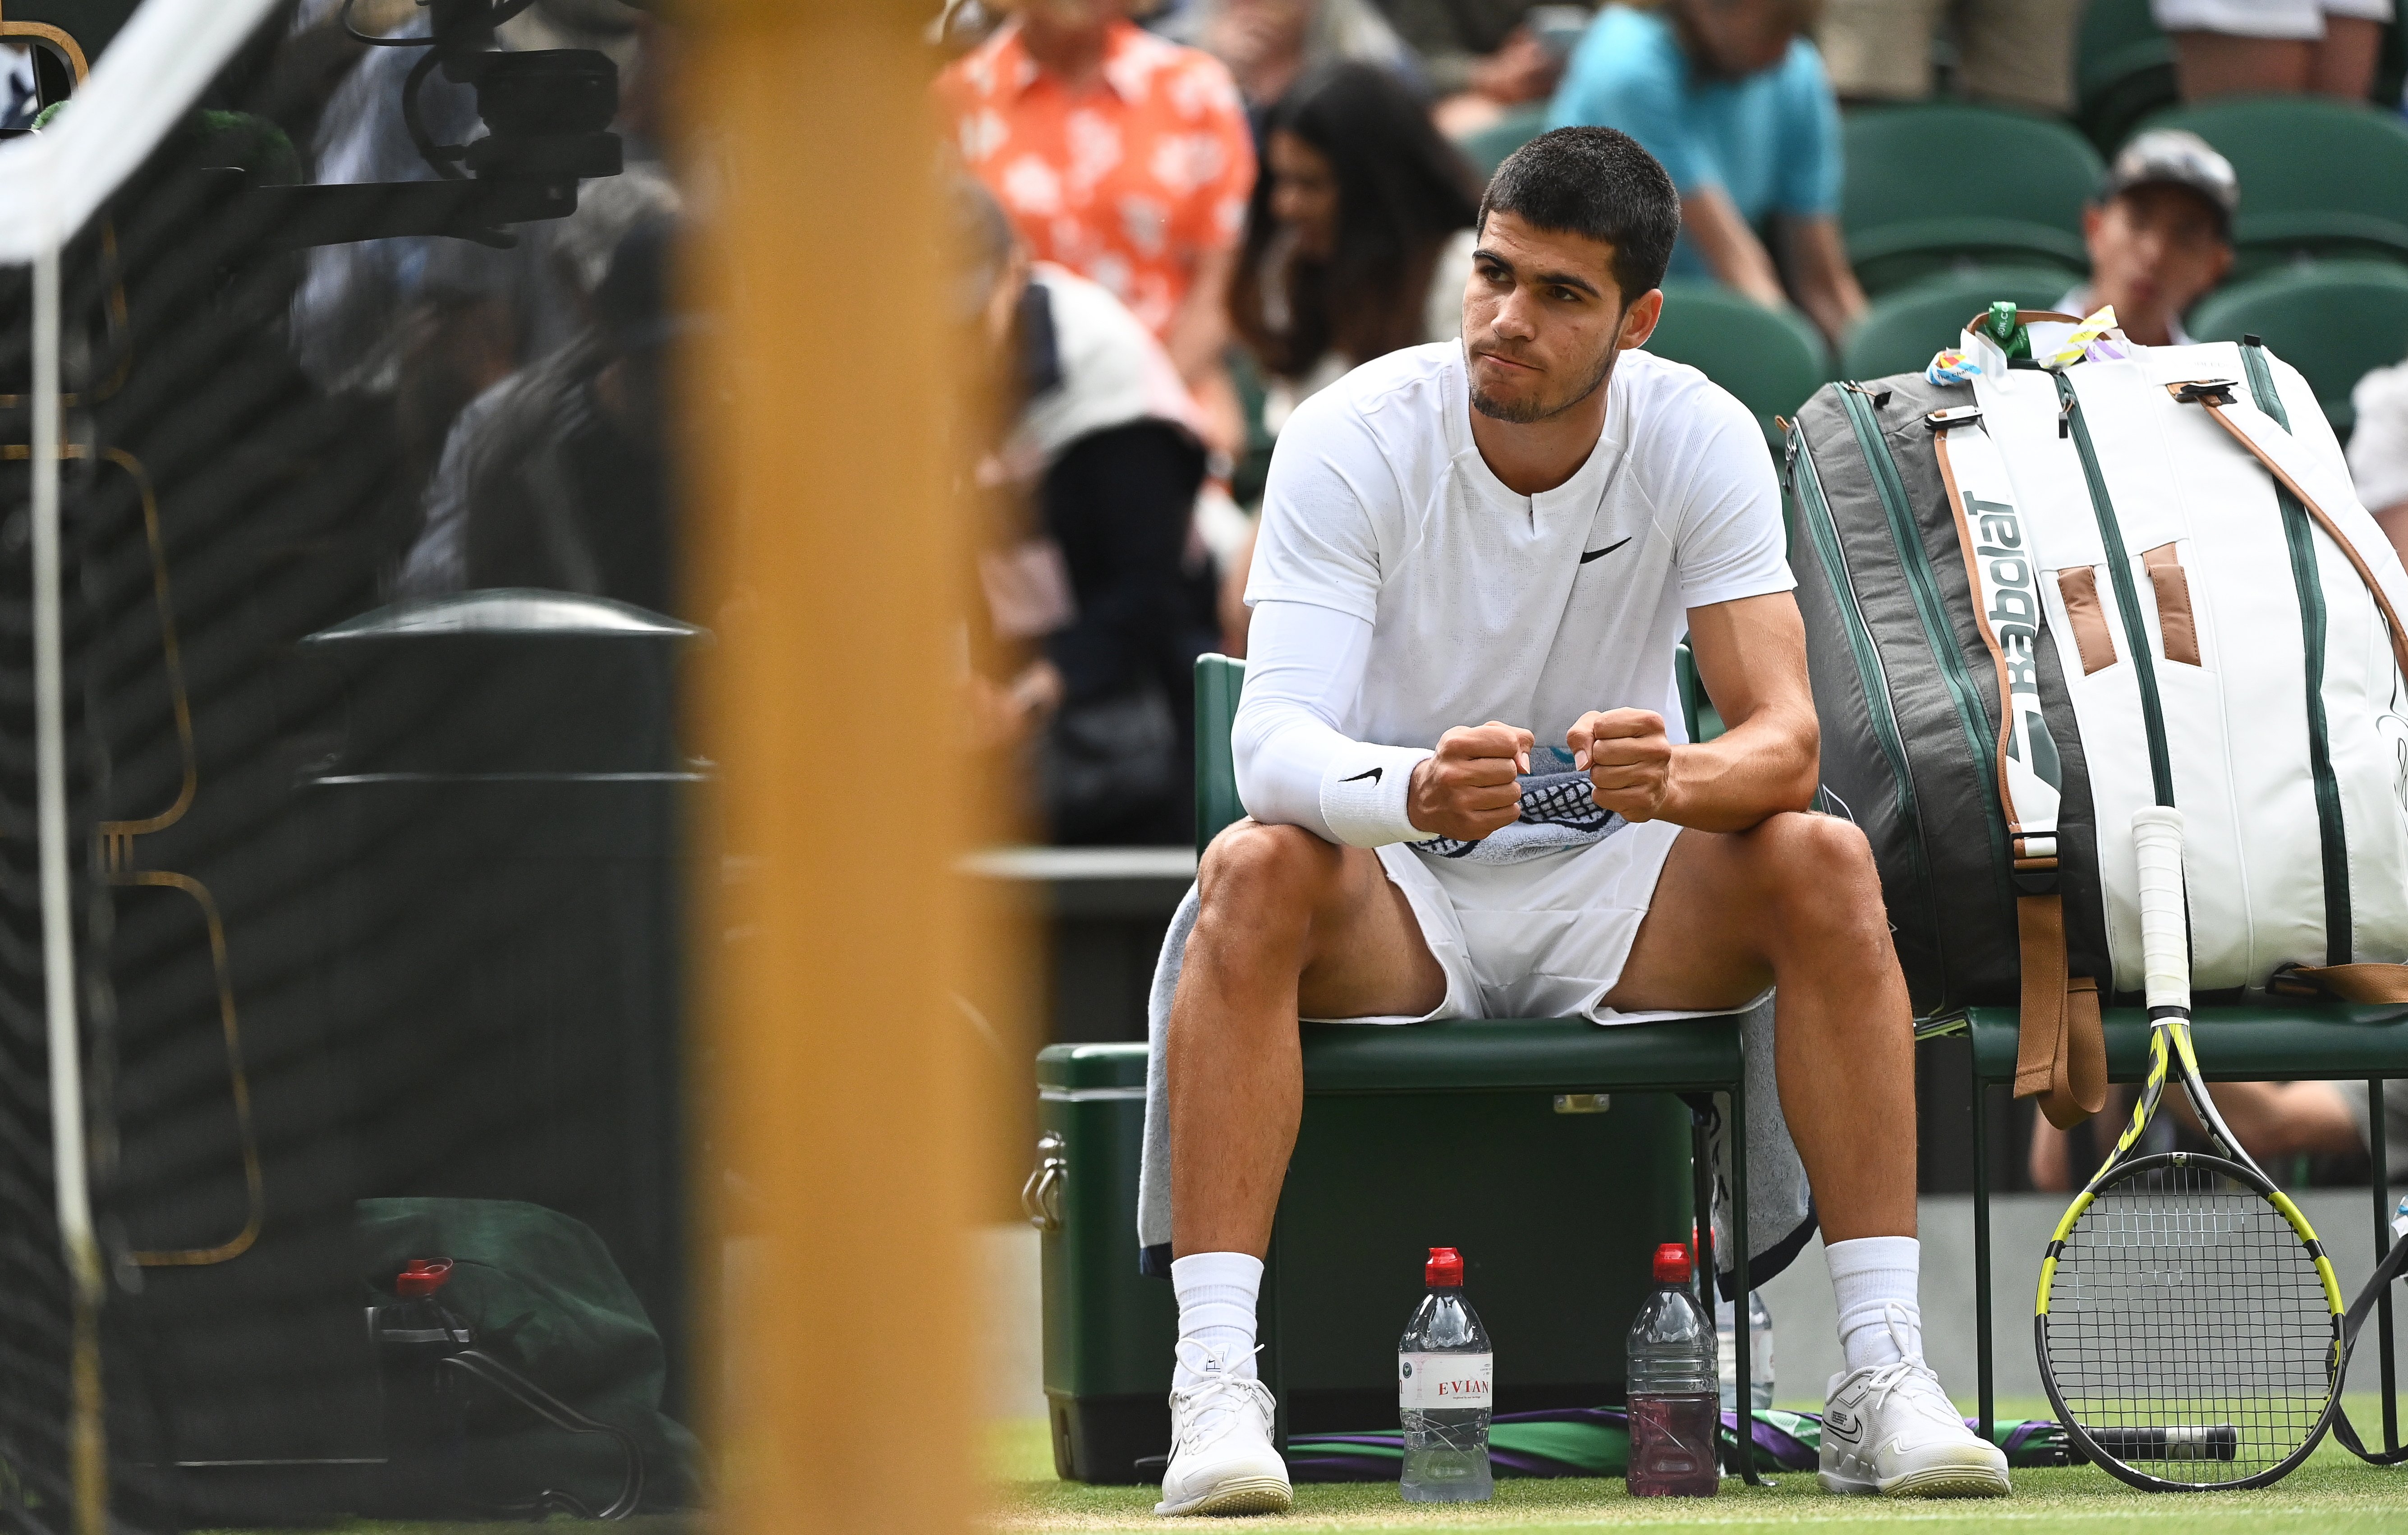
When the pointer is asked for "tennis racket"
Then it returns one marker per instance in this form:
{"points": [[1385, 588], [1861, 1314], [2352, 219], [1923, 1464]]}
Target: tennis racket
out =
{"points": [[2189, 1324]]}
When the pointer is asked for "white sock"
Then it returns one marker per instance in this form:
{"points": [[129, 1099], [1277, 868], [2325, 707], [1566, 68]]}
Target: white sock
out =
{"points": [[1873, 1281], [1216, 1307]]}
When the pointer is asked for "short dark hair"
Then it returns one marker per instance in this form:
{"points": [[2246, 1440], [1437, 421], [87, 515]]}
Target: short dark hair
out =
{"points": [[1596, 182]]}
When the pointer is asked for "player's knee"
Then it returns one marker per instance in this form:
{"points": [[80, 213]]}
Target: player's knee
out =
{"points": [[1818, 874], [1264, 869]]}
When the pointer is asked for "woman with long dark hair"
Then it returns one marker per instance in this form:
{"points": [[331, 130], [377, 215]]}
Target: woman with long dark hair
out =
{"points": [[1358, 241], [1358, 237]]}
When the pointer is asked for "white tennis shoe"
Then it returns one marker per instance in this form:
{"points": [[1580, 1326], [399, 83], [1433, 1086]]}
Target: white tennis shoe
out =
{"points": [[1222, 1458], [1889, 1429]]}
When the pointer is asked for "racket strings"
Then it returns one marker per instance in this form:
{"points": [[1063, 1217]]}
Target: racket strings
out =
{"points": [[2188, 1328]]}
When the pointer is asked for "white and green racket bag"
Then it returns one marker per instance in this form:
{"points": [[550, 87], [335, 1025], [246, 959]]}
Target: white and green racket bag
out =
{"points": [[2076, 584]]}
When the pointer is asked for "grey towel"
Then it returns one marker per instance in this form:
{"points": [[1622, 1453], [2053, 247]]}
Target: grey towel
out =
{"points": [[1779, 1206]]}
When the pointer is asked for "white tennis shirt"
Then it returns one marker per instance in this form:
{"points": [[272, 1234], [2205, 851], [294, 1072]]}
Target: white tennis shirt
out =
{"points": [[1401, 590]]}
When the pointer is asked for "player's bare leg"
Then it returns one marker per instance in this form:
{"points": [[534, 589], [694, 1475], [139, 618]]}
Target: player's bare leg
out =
{"points": [[1291, 925], [1795, 902]]}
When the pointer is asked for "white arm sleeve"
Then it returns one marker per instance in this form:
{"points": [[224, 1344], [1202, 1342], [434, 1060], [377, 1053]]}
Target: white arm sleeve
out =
{"points": [[1304, 663]]}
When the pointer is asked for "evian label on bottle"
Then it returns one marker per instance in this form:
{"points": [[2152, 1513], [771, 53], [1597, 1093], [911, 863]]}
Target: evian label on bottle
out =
{"points": [[1429, 1381]]}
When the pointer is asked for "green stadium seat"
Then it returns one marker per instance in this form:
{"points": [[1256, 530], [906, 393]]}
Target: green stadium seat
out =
{"points": [[1934, 184], [1484, 1056], [2318, 176], [1902, 329], [2335, 322], [2124, 70], [1771, 359], [1487, 148]]}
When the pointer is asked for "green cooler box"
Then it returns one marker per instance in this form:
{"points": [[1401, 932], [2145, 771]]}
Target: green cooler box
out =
{"points": [[1556, 1203]]}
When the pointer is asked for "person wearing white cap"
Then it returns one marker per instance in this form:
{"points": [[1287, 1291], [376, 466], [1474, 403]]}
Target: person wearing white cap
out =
{"points": [[2161, 235]]}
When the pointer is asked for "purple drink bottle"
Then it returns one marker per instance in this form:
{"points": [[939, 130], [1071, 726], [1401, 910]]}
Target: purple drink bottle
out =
{"points": [[1672, 1387]]}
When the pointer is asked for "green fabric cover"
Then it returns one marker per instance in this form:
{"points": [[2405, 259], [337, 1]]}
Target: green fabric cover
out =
{"points": [[545, 1298]]}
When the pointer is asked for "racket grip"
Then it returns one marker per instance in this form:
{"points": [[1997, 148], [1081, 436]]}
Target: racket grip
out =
{"points": [[2165, 938]]}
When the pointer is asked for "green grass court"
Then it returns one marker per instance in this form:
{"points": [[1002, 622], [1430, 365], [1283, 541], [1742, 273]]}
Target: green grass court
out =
{"points": [[2335, 1494]]}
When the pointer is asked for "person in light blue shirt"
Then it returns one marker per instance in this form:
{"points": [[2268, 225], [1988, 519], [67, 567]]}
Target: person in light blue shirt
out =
{"points": [[1732, 98]]}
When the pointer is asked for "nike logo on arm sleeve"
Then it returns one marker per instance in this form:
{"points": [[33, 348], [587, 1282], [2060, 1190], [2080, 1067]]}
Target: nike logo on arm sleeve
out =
{"points": [[1373, 775]]}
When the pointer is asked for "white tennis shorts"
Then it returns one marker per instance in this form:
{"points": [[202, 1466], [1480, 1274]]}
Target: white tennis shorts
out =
{"points": [[1543, 939], [2296, 20]]}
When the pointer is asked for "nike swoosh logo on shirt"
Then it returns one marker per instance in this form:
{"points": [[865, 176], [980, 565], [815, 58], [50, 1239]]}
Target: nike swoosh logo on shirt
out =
{"points": [[1594, 553], [1372, 773]]}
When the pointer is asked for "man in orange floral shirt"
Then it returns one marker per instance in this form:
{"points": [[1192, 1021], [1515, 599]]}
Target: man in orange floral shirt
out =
{"points": [[1122, 157]]}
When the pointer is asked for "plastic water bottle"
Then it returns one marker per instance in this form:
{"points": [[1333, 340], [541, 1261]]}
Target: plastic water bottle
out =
{"points": [[1446, 1376], [1671, 1383], [1759, 1353]]}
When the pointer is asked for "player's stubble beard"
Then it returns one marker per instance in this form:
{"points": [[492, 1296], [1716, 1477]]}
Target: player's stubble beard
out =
{"points": [[1526, 413]]}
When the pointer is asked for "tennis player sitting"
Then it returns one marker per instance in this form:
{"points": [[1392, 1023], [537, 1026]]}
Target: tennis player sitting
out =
{"points": [[1469, 553]]}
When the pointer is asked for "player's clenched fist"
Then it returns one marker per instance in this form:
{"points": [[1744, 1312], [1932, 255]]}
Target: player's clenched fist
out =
{"points": [[1628, 758], [1471, 788]]}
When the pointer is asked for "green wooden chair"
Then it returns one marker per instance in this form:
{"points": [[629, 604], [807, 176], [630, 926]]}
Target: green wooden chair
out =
{"points": [[1901, 330], [2318, 176], [1771, 359], [1935, 184], [2333, 321], [1486, 1055], [2320, 1042]]}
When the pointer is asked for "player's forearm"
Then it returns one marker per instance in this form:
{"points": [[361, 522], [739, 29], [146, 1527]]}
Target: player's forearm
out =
{"points": [[1729, 248], [1759, 768], [1826, 285], [1293, 766]]}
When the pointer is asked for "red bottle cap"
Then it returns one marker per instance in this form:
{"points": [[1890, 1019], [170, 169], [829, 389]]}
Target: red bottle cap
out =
{"points": [[1445, 1268], [1673, 1264], [423, 1278]]}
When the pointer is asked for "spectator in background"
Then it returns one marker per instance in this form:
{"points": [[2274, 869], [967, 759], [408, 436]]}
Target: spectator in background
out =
{"points": [[1484, 46], [1358, 241], [2018, 53], [2253, 47], [1091, 491], [1121, 157], [2161, 235], [1730, 96], [2273, 1121], [1269, 45], [430, 322], [557, 477], [2378, 450], [1481, 58]]}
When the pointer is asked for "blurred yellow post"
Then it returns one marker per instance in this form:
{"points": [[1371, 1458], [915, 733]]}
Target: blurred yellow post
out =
{"points": [[833, 1121]]}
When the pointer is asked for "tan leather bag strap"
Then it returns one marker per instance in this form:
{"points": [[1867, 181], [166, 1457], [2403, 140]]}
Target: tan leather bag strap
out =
{"points": [[2060, 1054], [2323, 520], [2060, 1047], [2342, 983]]}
